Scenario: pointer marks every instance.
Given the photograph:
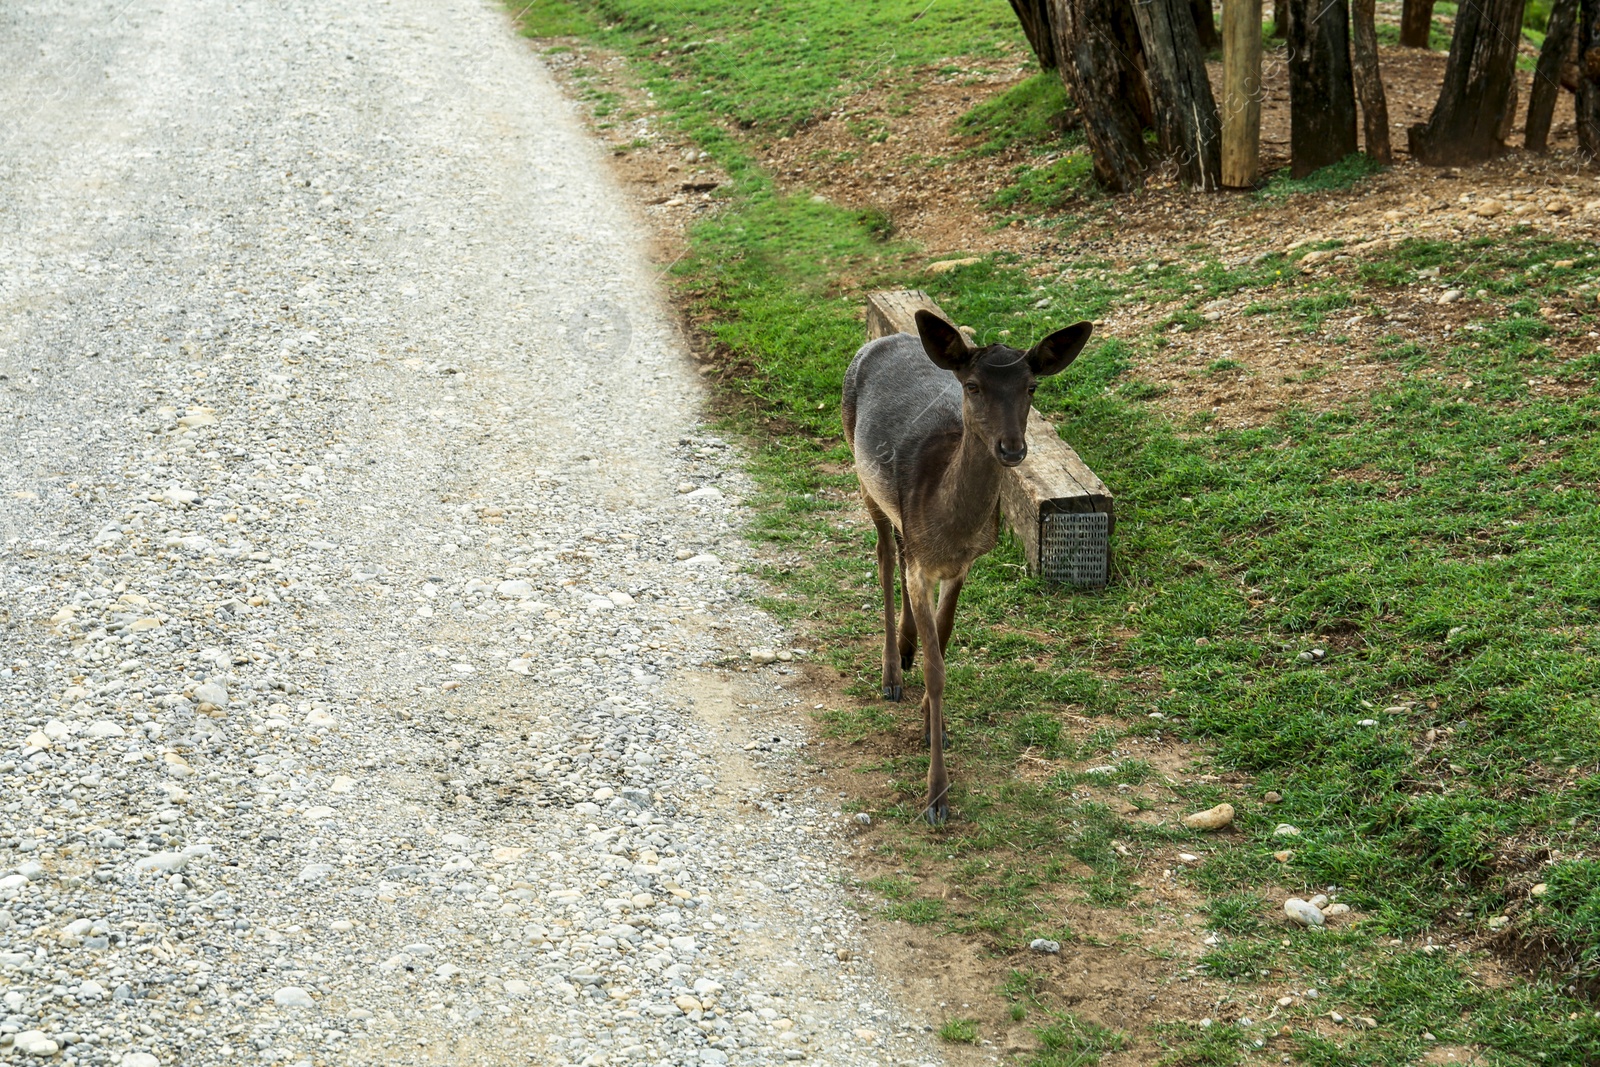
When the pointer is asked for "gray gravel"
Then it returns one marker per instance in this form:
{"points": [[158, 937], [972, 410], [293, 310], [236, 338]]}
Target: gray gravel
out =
{"points": [[377, 675]]}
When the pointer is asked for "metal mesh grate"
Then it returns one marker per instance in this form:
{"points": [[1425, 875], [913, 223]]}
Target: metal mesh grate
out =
{"points": [[1073, 547]]}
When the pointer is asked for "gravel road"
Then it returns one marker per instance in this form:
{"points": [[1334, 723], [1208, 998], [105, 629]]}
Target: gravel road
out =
{"points": [[371, 597]]}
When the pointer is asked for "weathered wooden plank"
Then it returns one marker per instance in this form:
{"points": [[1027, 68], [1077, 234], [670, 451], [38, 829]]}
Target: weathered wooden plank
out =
{"points": [[1052, 480]]}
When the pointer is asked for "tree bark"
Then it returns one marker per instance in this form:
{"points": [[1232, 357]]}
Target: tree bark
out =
{"points": [[1369, 85], [1280, 18], [1186, 112], [1558, 33], [1035, 18], [1205, 25], [1097, 51], [1322, 99], [1589, 81], [1241, 93], [1465, 125], [1416, 23]]}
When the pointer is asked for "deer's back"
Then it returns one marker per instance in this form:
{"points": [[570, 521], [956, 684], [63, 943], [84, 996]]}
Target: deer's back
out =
{"points": [[902, 418]]}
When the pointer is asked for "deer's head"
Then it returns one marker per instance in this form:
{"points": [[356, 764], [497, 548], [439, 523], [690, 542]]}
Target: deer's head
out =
{"points": [[997, 382]]}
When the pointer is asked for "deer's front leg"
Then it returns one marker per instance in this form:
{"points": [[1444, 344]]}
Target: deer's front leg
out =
{"points": [[922, 594]]}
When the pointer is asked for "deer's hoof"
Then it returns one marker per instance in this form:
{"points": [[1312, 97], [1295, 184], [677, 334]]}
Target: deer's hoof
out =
{"points": [[927, 738], [893, 692], [937, 813], [907, 659]]}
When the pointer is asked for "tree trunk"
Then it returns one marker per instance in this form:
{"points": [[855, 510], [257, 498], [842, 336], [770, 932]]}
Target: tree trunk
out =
{"points": [[1322, 98], [1369, 85], [1589, 81], [1205, 25], [1241, 93], [1547, 75], [1035, 18], [1097, 52], [1465, 125], [1416, 23], [1186, 112], [1280, 18]]}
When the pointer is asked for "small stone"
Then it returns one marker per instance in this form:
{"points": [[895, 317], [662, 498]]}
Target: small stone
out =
{"points": [[1303, 912], [211, 693], [1273, 797], [1044, 945], [1210, 819], [686, 1003], [704, 559], [1499, 922], [1539, 890], [292, 996], [1488, 209], [319, 717], [1319, 901], [707, 492], [342, 783], [762, 655], [514, 589], [863, 818], [1284, 829], [105, 728], [35, 1043], [945, 266], [1333, 910], [319, 812], [1367, 722], [138, 1059], [518, 988]]}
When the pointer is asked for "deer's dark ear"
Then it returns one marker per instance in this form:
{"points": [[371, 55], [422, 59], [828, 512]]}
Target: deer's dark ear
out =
{"points": [[943, 342], [1055, 353]]}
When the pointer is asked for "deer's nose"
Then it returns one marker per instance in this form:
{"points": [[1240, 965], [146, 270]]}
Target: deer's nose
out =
{"points": [[1011, 455]]}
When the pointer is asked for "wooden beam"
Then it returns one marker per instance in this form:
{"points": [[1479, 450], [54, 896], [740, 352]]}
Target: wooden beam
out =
{"points": [[1036, 495], [1241, 93]]}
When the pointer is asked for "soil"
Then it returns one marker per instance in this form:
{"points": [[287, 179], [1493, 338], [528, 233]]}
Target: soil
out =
{"points": [[900, 152]]}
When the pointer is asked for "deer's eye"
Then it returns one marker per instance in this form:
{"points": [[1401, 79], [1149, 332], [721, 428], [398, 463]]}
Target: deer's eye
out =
{"points": [[971, 387], [1031, 388]]}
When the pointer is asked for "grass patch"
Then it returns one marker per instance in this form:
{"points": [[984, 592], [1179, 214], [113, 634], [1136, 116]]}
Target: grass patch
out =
{"points": [[960, 1032], [1030, 112], [1338, 177], [1049, 185]]}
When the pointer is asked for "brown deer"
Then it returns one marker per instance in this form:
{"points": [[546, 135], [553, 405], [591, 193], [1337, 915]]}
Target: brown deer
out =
{"points": [[930, 421]]}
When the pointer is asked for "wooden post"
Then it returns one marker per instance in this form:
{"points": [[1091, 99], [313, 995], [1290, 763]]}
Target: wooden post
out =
{"points": [[1588, 104], [1322, 97], [1205, 24], [1241, 93], [1416, 23], [1035, 18], [1097, 52], [1547, 74], [1465, 125], [1186, 112], [1052, 483], [1369, 85]]}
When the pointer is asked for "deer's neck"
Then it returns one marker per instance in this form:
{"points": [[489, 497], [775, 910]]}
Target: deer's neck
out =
{"points": [[970, 488]]}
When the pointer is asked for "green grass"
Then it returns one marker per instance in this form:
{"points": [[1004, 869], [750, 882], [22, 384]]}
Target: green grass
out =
{"points": [[1338, 177], [1049, 185], [1030, 112], [1438, 540], [960, 1032]]}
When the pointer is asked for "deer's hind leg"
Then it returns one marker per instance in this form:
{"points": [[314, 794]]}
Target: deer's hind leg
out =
{"points": [[888, 552], [908, 618]]}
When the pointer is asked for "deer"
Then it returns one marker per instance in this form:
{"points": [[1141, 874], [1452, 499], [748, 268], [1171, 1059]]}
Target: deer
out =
{"points": [[931, 422]]}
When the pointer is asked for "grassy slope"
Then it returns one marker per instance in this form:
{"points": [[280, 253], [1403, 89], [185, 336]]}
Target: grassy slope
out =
{"points": [[1439, 540]]}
